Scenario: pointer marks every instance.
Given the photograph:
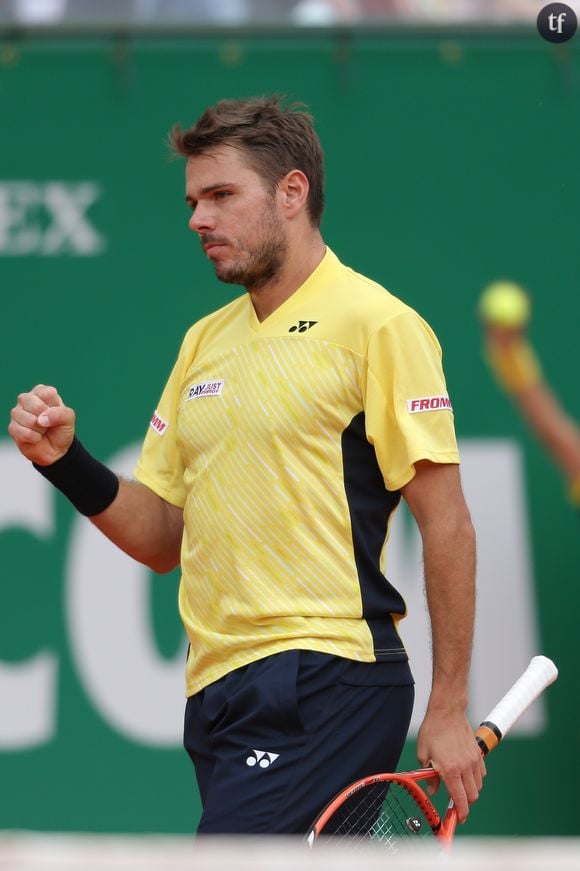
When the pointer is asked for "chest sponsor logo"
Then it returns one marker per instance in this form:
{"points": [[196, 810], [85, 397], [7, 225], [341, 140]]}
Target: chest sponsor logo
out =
{"points": [[205, 388], [429, 403], [158, 424], [302, 326]]}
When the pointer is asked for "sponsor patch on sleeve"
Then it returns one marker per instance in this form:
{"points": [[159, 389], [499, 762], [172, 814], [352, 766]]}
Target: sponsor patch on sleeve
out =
{"points": [[158, 424], [429, 403]]}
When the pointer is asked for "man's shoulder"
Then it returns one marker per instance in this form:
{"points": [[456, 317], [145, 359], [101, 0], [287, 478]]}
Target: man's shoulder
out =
{"points": [[366, 297]]}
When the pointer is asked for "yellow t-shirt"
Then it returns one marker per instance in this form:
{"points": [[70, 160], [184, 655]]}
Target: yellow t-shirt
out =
{"points": [[286, 443]]}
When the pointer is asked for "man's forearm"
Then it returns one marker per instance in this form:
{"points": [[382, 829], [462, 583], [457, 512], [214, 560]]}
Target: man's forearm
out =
{"points": [[449, 556], [143, 525]]}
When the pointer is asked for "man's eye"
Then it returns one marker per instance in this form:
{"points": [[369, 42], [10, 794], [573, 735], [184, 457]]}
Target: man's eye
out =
{"points": [[221, 195]]}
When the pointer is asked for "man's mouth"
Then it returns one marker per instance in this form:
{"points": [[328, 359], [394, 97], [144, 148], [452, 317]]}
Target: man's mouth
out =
{"points": [[210, 246]]}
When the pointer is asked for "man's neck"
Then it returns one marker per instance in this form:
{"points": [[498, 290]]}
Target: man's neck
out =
{"points": [[301, 262]]}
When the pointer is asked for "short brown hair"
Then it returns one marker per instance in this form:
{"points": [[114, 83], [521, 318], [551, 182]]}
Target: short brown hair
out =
{"points": [[276, 137]]}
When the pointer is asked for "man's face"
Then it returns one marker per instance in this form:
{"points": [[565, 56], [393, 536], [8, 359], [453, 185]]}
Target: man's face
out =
{"points": [[236, 218]]}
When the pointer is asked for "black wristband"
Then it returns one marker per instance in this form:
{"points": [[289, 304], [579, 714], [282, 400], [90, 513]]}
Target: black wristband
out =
{"points": [[87, 483]]}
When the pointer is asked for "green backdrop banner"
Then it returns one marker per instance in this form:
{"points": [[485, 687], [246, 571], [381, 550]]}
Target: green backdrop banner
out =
{"points": [[452, 160]]}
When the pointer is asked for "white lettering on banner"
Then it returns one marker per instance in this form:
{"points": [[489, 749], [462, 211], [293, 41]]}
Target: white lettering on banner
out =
{"points": [[48, 218], [140, 694], [28, 689]]}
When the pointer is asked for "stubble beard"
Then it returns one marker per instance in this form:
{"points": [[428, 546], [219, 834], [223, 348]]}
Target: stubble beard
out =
{"points": [[260, 267]]}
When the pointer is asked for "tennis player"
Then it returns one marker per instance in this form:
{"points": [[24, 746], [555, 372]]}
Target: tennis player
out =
{"points": [[517, 369], [293, 422]]}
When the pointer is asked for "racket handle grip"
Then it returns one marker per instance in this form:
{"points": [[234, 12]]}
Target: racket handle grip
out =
{"points": [[540, 673]]}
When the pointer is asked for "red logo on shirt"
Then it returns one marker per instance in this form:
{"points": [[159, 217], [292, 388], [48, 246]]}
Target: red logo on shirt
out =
{"points": [[429, 403], [158, 424]]}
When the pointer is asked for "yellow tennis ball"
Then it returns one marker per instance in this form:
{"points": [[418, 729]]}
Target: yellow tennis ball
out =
{"points": [[504, 304]]}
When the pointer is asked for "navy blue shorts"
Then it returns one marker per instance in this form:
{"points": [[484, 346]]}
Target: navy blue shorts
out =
{"points": [[274, 741]]}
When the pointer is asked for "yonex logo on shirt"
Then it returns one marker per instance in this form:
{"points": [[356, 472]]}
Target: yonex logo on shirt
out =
{"points": [[302, 326], [429, 403], [158, 424], [261, 758], [205, 388]]}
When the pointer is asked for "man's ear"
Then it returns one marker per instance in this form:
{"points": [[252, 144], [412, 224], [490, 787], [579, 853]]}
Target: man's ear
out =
{"points": [[293, 191]]}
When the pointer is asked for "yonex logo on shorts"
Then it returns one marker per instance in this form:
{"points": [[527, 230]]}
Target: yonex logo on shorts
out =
{"points": [[158, 424], [429, 403], [261, 758], [205, 388]]}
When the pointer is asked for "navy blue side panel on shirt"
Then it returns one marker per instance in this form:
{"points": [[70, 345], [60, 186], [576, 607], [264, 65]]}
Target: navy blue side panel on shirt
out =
{"points": [[370, 505]]}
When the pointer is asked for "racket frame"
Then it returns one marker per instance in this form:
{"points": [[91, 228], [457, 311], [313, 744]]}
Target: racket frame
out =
{"points": [[539, 674], [442, 828]]}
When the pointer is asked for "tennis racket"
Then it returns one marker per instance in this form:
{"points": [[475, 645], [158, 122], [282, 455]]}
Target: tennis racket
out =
{"points": [[394, 809]]}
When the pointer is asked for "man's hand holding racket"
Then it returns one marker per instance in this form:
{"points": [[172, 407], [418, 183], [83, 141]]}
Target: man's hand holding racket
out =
{"points": [[394, 808], [41, 425], [447, 743]]}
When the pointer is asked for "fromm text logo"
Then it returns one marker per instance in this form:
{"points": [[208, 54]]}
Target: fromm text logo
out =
{"points": [[158, 424], [429, 403]]}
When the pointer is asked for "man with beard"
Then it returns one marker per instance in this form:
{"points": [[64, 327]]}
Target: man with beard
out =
{"points": [[294, 420]]}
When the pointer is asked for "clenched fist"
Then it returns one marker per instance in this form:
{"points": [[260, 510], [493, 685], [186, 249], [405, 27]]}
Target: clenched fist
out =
{"points": [[41, 425]]}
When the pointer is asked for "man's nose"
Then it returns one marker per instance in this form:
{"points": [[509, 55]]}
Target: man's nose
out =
{"points": [[201, 221]]}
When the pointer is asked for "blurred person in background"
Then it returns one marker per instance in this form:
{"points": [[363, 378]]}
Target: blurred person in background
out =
{"points": [[294, 421], [517, 369]]}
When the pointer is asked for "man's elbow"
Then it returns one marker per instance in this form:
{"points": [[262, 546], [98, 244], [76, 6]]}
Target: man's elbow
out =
{"points": [[161, 564], [461, 529]]}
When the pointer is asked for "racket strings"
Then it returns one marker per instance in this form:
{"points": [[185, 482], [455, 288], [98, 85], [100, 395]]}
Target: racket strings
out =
{"points": [[383, 812]]}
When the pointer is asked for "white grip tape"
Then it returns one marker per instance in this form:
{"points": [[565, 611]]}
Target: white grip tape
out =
{"points": [[539, 674]]}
